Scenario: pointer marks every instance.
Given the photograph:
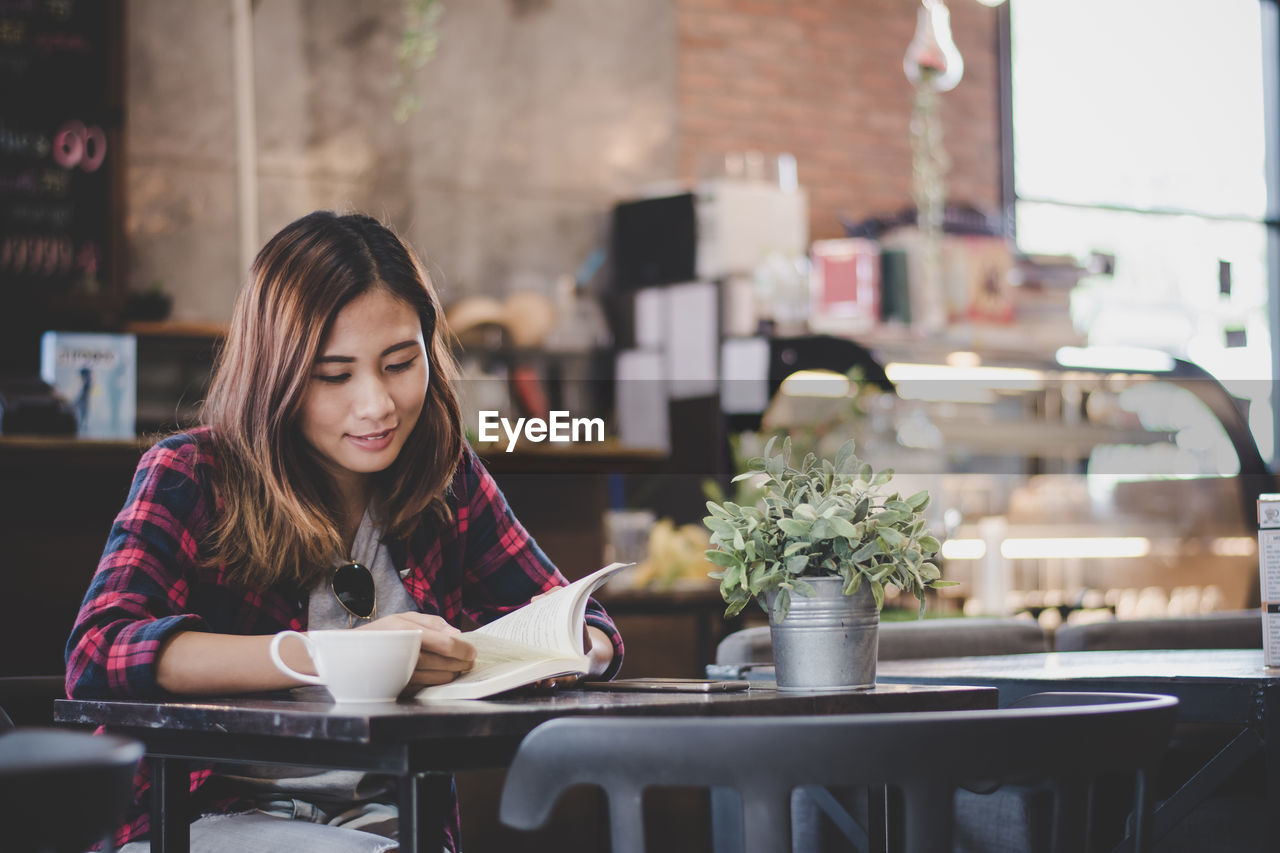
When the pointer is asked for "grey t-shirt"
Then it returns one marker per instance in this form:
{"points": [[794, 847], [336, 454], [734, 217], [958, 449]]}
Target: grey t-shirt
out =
{"points": [[324, 611]]}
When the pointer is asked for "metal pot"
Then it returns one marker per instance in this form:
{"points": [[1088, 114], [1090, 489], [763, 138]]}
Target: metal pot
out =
{"points": [[828, 641]]}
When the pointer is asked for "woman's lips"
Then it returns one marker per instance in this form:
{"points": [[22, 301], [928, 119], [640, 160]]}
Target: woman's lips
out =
{"points": [[373, 441]]}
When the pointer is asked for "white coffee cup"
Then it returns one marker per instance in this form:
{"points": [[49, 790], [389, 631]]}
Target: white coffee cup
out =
{"points": [[356, 666]]}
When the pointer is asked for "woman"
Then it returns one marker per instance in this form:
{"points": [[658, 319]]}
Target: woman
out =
{"points": [[331, 455]]}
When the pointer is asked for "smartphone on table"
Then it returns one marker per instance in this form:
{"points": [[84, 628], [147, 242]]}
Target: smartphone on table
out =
{"points": [[667, 685]]}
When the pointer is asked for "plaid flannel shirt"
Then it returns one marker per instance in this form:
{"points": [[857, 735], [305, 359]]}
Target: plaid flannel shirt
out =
{"points": [[153, 582]]}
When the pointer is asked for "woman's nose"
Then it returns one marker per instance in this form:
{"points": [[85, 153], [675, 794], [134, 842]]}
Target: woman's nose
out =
{"points": [[373, 400]]}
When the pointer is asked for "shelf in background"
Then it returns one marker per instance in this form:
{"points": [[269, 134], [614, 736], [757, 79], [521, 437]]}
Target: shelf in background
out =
{"points": [[176, 329], [1034, 438], [604, 458]]}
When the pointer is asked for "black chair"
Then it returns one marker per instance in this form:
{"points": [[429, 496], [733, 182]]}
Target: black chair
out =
{"points": [[1068, 739], [28, 699], [63, 790]]}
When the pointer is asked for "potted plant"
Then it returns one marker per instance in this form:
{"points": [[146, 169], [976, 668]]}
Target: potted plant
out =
{"points": [[817, 552]]}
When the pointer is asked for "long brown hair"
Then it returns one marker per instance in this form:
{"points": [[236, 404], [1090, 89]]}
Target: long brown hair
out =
{"points": [[277, 513]]}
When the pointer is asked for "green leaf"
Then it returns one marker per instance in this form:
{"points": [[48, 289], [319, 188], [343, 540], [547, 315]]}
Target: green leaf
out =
{"points": [[767, 579], [891, 538], [797, 564], [929, 545], [735, 576], [719, 525], [723, 558], [806, 512], [869, 549], [889, 516], [781, 605], [794, 528], [804, 588], [745, 475], [877, 592], [882, 477], [842, 527], [717, 510], [853, 584], [795, 548], [843, 455], [860, 511], [919, 500], [822, 530]]}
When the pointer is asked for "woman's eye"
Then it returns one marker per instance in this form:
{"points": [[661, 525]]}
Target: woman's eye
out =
{"points": [[333, 380], [402, 366]]}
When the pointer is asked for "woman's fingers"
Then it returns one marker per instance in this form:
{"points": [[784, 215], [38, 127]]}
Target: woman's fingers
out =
{"points": [[443, 654], [425, 677], [457, 654], [401, 621]]}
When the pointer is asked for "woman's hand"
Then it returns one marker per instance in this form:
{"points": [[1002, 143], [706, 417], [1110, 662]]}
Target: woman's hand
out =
{"points": [[443, 656]]}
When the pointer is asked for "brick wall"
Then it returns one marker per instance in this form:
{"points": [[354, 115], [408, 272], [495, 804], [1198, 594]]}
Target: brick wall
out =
{"points": [[823, 79]]}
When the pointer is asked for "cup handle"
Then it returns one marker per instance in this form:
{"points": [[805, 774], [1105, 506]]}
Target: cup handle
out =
{"points": [[284, 667]]}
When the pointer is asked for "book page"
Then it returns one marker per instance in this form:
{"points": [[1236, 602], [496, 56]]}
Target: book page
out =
{"points": [[541, 640], [492, 651], [553, 623]]}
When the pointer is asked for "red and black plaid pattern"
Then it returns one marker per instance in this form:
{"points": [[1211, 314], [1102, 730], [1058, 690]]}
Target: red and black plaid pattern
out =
{"points": [[153, 580]]}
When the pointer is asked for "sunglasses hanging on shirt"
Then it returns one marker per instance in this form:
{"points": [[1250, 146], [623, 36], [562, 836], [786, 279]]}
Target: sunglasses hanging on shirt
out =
{"points": [[353, 586]]}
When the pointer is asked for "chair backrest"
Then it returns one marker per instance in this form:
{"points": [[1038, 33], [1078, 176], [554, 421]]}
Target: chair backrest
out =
{"points": [[925, 755], [63, 790], [925, 638], [28, 699], [1230, 629]]}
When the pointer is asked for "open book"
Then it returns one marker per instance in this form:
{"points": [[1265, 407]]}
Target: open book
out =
{"points": [[541, 640]]}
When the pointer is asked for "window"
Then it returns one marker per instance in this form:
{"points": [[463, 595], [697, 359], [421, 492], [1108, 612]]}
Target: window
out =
{"points": [[1139, 133]]}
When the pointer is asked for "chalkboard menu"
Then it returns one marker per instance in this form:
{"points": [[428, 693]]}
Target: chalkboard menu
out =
{"points": [[60, 120]]}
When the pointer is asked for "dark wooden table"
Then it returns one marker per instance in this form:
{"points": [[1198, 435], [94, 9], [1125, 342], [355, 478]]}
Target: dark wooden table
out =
{"points": [[1225, 687], [419, 742]]}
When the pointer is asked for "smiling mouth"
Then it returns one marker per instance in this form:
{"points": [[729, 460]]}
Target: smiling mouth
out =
{"points": [[373, 436]]}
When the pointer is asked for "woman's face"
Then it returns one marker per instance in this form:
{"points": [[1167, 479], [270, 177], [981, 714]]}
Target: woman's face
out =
{"points": [[367, 386]]}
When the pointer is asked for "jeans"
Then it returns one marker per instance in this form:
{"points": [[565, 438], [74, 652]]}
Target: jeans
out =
{"points": [[308, 829]]}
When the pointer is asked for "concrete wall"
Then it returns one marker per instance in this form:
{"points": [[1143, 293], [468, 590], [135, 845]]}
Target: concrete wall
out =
{"points": [[537, 115], [535, 118]]}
